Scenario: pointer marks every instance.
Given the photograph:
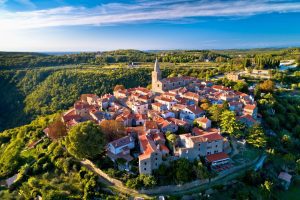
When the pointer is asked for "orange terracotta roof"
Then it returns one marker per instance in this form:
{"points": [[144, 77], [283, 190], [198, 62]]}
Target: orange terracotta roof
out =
{"points": [[220, 87], [81, 105], [70, 114], [157, 104], [164, 148], [169, 94], [216, 157], [197, 139], [179, 106], [212, 137], [195, 109], [160, 98], [250, 107], [158, 137], [140, 116], [191, 95], [202, 120], [247, 117], [150, 125], [147, 147], [177, 121]]}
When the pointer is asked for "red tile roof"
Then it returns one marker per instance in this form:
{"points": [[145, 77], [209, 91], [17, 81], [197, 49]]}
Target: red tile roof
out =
{"points": [[202, 120], [160, 98], [81, 105], [250, 107], [195, 109], [157, 104], [147, 146], [191, 95], [216, 157], [212, 137], [177, 121], [150, 125], [220, 87], [164, 148]]}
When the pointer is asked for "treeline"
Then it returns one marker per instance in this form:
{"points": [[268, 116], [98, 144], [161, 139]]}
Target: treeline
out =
{"points": [[191, 56], [266, 62], [261, 59], [29, 60], [10, 60]]}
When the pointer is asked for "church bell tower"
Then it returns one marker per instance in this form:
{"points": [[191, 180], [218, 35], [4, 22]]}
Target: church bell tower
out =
{"points": [[156, 74]]}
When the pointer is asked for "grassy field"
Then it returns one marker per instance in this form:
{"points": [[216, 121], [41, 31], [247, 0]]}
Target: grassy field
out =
{"points": [[246, 155], [292, 194]]}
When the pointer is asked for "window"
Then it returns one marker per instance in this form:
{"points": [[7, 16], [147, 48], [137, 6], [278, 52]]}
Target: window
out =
{"points": [[157, 85], [208, 153], [145, 169], [155, 158], [145, 163]]}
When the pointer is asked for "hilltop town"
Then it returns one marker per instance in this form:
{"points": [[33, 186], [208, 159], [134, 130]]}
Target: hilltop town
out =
{"points": [[171, 106], [223, 129]]}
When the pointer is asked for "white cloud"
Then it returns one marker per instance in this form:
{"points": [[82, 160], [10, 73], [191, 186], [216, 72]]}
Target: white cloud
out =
{"points": [[141, 11]]}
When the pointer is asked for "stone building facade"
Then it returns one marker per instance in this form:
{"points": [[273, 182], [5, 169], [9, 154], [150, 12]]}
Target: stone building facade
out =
{"points": [[160, 85]]}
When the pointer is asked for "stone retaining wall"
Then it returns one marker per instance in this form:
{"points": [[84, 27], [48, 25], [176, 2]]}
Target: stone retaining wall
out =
{"points": [[164, 189]]}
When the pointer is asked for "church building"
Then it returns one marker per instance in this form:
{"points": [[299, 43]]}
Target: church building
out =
{"points": [[160, 85]]}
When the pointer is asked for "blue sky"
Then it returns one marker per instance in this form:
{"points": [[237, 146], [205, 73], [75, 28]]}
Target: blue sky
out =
{"points": [[92, 25]]}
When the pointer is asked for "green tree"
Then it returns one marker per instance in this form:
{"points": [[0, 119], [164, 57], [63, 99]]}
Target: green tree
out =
{"points": [[183, 171], [200, 170], [298, 166], [241, 86], [267, 86], [256, 136], [229, 123], [215, 113], [267, 187], [172, 139], [85, 140]]}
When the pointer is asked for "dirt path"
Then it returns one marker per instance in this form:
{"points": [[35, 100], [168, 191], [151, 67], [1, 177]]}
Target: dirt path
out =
{"points": [[115, 185]]}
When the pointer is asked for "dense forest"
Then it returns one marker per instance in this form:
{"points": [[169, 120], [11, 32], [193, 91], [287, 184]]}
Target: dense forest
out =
{"points": [[27, 94]]}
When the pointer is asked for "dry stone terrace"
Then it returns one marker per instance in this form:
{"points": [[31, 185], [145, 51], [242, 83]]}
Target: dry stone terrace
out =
{"points": [[170, 106]]}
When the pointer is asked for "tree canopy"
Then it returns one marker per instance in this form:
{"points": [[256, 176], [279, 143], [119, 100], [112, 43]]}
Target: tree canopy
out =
{"points": [[228, 122], [85, 140], [256, 136], [267, 86], [112, 129]]}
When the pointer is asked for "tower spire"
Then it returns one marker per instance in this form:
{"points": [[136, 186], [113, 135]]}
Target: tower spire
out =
{"points": [[156, 66]]}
